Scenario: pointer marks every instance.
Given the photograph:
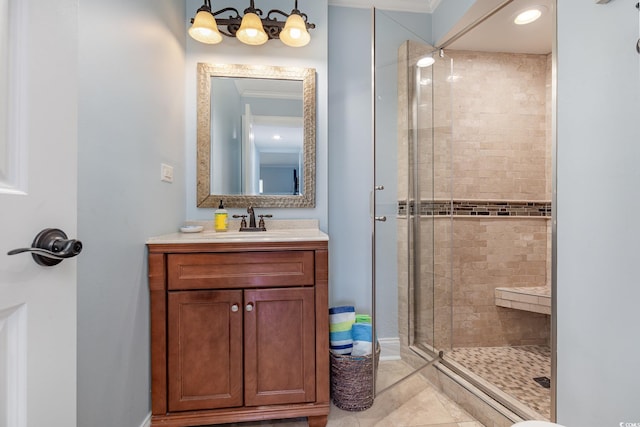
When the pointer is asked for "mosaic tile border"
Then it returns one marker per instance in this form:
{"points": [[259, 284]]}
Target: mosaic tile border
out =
{"points": [[477, 208]]}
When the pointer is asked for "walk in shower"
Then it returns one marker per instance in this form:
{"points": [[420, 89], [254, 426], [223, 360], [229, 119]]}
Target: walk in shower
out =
{"points": [[471, 208]]}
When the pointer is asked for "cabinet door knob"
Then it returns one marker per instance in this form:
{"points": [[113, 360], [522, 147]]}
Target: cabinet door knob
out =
{"points": [[249, 307], [235, 308]]}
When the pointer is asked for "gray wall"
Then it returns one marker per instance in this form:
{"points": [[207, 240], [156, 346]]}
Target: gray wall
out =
{"points": [[274, 107], [131, 119], [350, 156], [597, 222], [447, 15], [231, 51]]}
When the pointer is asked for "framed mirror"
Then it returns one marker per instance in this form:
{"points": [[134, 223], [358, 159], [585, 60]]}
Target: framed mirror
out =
{"points": [[256, 136]]}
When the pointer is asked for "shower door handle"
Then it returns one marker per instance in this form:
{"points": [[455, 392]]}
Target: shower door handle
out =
{"points": [[379, 218], [372, 208]]}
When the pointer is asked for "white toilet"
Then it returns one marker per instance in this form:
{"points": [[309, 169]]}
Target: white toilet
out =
{"points": [[536, 424]]}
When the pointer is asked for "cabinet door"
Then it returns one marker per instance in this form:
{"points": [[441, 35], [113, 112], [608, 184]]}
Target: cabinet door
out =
{"points": [[279, 346], [204, 350]]}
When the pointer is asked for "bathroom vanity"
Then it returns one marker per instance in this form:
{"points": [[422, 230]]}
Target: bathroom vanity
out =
{"points": [[239, 327]]}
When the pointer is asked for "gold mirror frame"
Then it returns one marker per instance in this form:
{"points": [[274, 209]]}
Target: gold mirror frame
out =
{"points": [[308, 77]]}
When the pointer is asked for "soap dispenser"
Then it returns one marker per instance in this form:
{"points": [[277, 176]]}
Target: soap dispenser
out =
{"points": [[221, 218]]}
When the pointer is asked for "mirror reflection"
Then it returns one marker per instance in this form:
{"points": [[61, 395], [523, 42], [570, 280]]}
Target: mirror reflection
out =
{"points": [[257, 128], [256, 136]]}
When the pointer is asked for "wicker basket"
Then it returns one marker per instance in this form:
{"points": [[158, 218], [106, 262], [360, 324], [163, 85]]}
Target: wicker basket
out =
{"points": [[352, 381]]}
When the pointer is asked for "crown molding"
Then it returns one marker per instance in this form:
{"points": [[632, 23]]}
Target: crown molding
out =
{"points": [[424, 6]]}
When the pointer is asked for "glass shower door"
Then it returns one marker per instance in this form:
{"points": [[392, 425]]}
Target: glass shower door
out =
{"points": [[430, 122], [406, 261]]}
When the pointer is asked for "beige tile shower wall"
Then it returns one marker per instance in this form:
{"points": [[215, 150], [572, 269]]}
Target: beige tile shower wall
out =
{"points": [[490, 253], [403, 283], [501, 150], [454, 302], [500, 134], [443, 262]]}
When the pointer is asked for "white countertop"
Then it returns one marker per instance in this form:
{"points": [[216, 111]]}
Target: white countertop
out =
{"points": [[277, 231]]}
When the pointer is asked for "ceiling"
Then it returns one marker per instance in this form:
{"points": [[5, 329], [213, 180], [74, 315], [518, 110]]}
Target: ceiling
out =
{"points": [[496, 34], [425, 6], [499, 34], [269, 88]]}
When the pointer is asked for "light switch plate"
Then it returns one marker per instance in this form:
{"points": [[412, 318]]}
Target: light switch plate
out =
{"points": [[166, 173]]}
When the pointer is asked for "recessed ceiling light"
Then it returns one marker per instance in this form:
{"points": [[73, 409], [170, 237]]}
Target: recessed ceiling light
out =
{"points": [[277, 137], [528, 16], [425, 62]]}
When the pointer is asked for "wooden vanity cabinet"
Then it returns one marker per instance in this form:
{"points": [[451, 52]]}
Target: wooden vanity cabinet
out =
{"points": [[239, 332]]}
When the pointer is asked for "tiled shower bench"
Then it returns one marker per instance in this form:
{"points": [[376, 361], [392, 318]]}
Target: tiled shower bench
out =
{"points": [[531, 298]]}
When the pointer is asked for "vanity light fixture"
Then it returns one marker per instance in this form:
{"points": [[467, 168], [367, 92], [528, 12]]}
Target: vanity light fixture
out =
{"points": [[251, 28]]}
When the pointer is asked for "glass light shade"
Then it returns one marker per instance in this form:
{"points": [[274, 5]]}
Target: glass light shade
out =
{"points": [[295, 32], [205, 28], [251, 30]]}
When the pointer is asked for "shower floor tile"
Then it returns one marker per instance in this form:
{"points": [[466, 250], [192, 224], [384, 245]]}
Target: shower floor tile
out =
{"points": [[512, 370]]}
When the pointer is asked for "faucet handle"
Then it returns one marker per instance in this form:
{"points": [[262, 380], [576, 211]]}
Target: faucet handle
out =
{"points": [[243, 223], [262, 217]]}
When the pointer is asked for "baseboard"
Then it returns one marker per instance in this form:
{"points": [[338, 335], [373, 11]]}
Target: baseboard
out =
{"points": [[389, 348], [147, 421]]}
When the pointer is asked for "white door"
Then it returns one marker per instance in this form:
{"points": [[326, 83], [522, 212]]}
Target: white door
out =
{"points": [[38, 186]]}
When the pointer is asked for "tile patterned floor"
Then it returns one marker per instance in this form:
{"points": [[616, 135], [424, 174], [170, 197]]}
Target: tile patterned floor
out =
{"points": [[411, 403], [512, 369]]}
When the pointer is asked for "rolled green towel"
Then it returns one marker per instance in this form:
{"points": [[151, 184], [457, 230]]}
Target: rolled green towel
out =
{"points": [[363, 318]]}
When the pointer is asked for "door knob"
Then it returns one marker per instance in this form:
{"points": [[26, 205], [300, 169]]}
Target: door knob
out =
{"points": [[381, 218], [249, 307], [51, 247]]}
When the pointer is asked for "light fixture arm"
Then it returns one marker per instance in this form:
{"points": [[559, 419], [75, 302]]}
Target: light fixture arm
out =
{"points": [[252, 9], [206, 7]]}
